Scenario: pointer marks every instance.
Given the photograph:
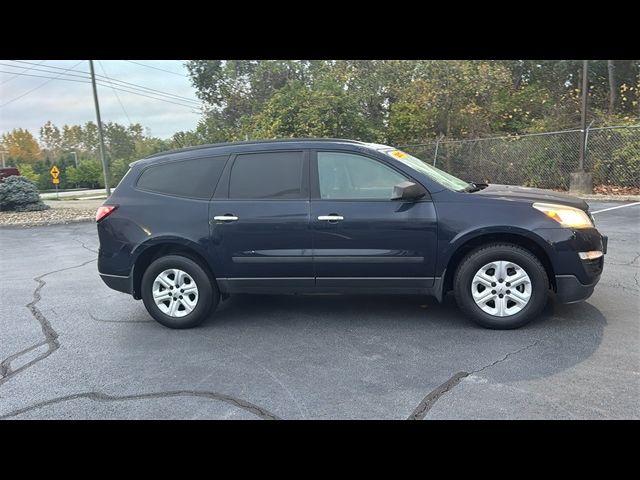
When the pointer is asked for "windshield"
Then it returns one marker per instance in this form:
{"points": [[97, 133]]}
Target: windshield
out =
{"points": [[443, 178]]}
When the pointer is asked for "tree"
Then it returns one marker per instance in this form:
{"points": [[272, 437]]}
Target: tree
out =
{"points": [[26, 170], [300, 111], [72, 137], [21, 145], [612, 86], [51, 138], [119, 141], [88, 174]]}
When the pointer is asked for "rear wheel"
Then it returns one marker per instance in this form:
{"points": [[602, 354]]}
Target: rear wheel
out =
{"points": [[501, 286], [177, 292]]}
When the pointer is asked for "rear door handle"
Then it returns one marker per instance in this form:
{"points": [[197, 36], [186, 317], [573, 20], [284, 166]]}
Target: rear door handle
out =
{"points": [[225, 218], [331, 218]]}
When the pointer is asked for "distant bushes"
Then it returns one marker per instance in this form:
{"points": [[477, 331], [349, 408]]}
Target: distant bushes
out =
{"points": [[19, 194]]}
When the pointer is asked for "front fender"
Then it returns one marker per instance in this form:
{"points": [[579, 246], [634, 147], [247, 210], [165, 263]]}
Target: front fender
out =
{"points": [[452, 246]]}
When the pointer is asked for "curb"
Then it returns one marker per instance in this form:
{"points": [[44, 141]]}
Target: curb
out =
{"points": [[43, 224], [618, 198]]}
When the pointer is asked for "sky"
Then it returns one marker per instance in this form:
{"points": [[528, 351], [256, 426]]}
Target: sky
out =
{"points": [[67, 102]]}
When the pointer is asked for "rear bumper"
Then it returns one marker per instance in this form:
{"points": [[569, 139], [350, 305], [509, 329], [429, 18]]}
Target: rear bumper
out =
{"points": [[570, 290], [117, 282]]}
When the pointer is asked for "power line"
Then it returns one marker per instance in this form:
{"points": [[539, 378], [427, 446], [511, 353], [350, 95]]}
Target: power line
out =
{"points": [[116, 93], [189, 106], [39, 86], [156, 68], [16, 76], [155, 98], [124, 83], [46, 76], [53, 72]]}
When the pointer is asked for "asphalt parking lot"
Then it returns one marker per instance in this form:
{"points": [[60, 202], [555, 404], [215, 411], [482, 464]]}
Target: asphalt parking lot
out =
{"points": [[71, 348]]}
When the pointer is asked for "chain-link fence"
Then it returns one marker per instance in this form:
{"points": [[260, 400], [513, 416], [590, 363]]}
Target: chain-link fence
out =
{"points": [[542, 160]]}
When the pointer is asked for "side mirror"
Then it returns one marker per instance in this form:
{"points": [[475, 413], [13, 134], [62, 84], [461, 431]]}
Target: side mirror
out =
{"points": [[408, 191]]}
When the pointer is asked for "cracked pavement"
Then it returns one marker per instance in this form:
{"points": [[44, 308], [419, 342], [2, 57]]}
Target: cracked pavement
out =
{"points": [[72, 348]]}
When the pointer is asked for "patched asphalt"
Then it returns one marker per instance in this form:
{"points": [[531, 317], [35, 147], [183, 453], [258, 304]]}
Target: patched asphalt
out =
{"points": [[72, 348]]}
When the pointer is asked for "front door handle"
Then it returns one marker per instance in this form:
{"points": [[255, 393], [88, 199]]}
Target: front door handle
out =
{"points": [[331, 218], [225, 218]]}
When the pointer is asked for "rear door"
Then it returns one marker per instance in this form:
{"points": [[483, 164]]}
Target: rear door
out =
{"points": [[259, 222], [362, 239]]}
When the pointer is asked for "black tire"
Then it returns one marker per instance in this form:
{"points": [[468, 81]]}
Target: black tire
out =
{"points": [[208, 295], [476, 259]]}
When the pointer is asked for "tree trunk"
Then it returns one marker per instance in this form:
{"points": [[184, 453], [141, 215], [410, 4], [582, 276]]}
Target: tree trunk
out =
{"points": [[612, 86]]}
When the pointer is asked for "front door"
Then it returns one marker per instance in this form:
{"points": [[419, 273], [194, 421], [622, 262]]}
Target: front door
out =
{"points": [[361, 238], [260, 229]]}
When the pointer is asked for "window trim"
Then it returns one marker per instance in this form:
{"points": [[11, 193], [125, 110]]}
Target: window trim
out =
{"points": [[315, 177], [225, 188], [182, 160]]}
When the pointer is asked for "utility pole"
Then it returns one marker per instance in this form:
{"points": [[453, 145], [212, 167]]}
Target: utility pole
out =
{"points": [[581, 182], [75, 156], [2, 153], [105, 167], [583, 122]]}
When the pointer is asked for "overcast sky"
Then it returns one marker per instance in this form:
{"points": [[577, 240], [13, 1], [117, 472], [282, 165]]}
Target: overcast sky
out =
{"points": [[66, 102]]}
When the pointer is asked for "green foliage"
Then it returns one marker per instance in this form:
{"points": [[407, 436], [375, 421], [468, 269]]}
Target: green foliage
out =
{"points": [[626, 165], [20, 195], [87, 175], [118, 169], [27, 171], [400, 101], [615, 157], [124, 144], [299, 111]]}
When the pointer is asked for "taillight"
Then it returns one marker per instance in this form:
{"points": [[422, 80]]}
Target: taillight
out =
{"points": [[104, 211]]}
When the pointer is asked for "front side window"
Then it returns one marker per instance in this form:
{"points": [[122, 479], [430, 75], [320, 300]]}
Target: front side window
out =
{"points": [[347, 176], [196, 178], [272, 175]]}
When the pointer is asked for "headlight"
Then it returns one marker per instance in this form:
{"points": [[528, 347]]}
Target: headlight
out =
{"points": [[566, 216]]}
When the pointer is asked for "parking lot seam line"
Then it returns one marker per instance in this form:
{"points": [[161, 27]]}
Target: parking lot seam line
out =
{"points": [[617, 207], [420, 412], [50, 335], [260, 412]]}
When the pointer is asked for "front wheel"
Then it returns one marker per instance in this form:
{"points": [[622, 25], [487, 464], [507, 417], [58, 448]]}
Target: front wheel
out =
{"points": [[177, 292], [501, 286]]}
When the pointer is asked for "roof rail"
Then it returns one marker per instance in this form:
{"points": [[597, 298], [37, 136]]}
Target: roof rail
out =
{"points": [[250, 142]]}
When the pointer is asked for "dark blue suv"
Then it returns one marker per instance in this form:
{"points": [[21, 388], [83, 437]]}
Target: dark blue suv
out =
{"points": [[187, 227]]}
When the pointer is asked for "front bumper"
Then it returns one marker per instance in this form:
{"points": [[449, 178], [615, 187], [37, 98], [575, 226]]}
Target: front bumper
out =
{"points": [[575, 278], [570, 290]]}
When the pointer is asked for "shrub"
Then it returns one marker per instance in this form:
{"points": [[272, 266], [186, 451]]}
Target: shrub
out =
{"points": [[27, 171], [20, 194], [88, 174]]}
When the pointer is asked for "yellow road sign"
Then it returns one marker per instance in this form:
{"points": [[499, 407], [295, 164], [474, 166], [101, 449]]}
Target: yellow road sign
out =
{"points": [[55, 173], [55, 180]]}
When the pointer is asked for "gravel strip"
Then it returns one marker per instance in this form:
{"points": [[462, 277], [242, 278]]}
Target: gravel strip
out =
{"points": [[52, 216]]}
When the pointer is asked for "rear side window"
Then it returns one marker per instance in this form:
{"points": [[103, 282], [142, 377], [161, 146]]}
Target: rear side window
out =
{"points": [[195, 178], [272, 175]]}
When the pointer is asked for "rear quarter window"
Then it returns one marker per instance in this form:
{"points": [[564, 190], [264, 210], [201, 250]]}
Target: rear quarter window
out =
{"points": [[195, 178]]}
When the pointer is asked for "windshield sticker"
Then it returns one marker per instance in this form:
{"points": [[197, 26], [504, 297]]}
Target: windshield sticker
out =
{"points": [[398, 154]]}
